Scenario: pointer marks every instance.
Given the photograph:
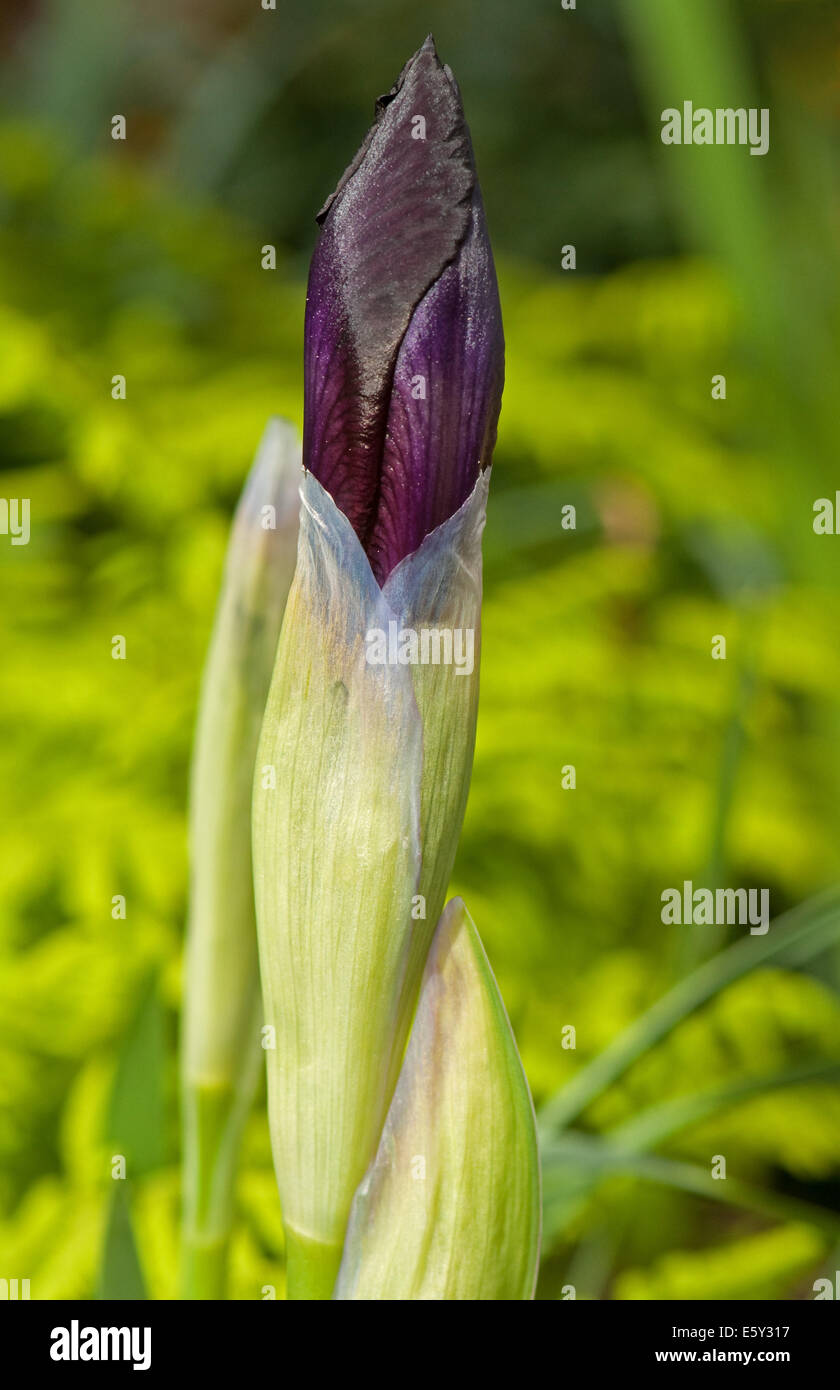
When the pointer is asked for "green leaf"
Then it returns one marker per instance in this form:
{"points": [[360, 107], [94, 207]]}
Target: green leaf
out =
{"points": [[136, 1118], [121, 1276]]}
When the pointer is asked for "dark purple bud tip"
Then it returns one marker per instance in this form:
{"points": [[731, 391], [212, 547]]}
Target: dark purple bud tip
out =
{"points": [[404, 355]]}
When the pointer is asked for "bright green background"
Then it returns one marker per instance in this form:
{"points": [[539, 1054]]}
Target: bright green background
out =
{"points": [[694, 519]]}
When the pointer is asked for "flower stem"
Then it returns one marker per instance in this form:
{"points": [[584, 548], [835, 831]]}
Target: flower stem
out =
{"points": [[203, 1268], [311, 1267], [212, 1126]]}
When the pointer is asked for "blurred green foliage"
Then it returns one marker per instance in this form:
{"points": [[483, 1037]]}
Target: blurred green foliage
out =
{"points": [[693, 519]]}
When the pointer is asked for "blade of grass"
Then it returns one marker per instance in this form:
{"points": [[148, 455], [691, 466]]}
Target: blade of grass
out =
{"points": [[792, 940], [580, 1153], [644, 1131]]}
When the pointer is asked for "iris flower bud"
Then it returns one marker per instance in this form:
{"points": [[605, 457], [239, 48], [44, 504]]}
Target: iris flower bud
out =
{"points": [[222, 1014], [404, 353], [369, 732], [450, 1207]]}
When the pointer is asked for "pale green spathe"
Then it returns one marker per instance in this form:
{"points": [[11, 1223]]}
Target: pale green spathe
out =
{"points": [[438, 587], [220, 1046], [221, 967], [362, 777], [450, 1208]]}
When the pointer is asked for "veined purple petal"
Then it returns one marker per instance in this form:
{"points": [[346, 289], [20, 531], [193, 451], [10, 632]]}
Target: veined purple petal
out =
{"points": [[445, 402], [404, 350]]}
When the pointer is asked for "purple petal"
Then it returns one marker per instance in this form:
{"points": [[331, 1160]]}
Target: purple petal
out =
{"points": [[401, 285], [437, 442]]}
